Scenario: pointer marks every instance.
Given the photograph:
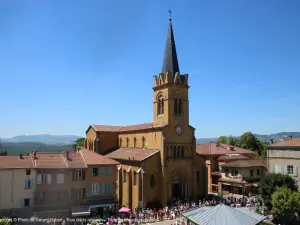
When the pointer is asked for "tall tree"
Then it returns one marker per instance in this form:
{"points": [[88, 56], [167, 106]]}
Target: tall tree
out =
{"points": [[269, 184], [223, 139], [232, 141], [285, 203]]}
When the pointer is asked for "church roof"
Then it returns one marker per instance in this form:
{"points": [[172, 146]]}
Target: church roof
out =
{"points": [[170, 58], [223, 215], [132, 154], [121, 129]]}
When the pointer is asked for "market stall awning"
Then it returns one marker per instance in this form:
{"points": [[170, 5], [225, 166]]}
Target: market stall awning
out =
{"points": [[80, 210], [223, 215]]}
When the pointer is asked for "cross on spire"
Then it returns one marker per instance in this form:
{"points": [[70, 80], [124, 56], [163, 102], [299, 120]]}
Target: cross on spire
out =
{"points": [[170, 17]]}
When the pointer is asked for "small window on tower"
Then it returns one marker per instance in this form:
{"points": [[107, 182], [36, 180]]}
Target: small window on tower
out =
{"points": [[179, 107], [160, 105], [175, 106]]}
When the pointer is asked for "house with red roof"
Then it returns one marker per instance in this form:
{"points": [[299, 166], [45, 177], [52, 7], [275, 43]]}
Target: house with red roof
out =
{"points": [[58, 185], [230, 169]]}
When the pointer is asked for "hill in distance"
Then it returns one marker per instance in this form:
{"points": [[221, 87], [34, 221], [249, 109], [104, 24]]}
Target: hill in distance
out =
{"points": [[43, 138], [265, 138]]}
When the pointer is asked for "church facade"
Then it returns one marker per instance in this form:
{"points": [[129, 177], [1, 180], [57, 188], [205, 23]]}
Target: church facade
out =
{"points": [[158, 160]]}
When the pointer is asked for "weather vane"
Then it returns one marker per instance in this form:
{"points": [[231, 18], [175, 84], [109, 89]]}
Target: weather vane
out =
{"points": [[170, 12]]}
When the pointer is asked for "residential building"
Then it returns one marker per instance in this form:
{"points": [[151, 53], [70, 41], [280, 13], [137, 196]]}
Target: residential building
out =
{"points": [[17, 186], [101, 186], [158, 159], [284, 157], [240, 177], [217, 154], [74, 184], [54, 184]]}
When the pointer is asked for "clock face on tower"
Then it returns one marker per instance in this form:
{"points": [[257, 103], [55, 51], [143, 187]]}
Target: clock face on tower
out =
{"points": [[178, 130]]}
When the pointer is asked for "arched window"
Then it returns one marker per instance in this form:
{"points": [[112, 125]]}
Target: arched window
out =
{"points": [[120, 142], [127, 142], [160, 105], [178, 151], [143, 142], [124, 176], [179, 106], [182, 151], [135, 178], [175, 106], [152, 181], [134, 142]]}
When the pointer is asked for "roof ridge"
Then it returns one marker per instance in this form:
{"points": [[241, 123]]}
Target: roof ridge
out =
{"points": [[80, 152]]}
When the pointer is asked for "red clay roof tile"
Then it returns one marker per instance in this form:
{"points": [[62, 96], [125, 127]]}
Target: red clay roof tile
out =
{"points": [[132, 154], [232, 157], [10, 162], [294, 142], [93, 158], [246, 163], [121, 129], [221, 149]]}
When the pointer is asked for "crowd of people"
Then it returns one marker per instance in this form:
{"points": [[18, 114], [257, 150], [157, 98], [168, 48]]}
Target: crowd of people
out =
{"points": [[174, 212]]}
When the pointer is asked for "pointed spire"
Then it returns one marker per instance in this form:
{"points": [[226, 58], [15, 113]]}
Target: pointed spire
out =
{"points": [[170, 59]]}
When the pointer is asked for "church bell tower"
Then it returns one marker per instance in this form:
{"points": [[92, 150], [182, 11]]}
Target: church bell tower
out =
{"points": [[171, 101]]}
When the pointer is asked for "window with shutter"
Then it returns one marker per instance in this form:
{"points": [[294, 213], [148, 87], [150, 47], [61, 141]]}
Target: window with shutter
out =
{"points": [[107, 171], [26, 202], [39, 179], [48, 178], [285, 169], [295, 172], [276, 168]]}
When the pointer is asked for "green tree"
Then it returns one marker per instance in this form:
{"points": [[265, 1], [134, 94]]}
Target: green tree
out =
{"points": [[222, 139], [285, 203], [249, 141], [232, 141], [79, 143], [269, 184], [5, 221]]}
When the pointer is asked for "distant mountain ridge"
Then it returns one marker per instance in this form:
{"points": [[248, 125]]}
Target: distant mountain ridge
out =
{"points": [[70, 139], [44, 138], [265, 138]]}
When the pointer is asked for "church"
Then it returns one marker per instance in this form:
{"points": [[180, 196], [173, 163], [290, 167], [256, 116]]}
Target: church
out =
{"points": [[158, 160]]}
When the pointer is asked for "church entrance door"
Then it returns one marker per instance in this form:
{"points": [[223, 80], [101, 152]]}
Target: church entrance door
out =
{"points": [[177, 190]]}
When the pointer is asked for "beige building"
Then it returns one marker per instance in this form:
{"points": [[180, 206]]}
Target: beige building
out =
{"points": [[241, 176], [17, 186], [158, 159], [284, 157], [218, 154]]}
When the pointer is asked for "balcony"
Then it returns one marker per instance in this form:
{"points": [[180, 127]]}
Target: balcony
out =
{"points": [[233, 177]]}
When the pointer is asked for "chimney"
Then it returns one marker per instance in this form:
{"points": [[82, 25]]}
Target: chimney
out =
{"points": [[21, 156], [231, 148], [67, 155], [291, 137], [271, 141]]}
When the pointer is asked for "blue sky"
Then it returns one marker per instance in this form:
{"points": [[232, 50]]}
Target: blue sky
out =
{"points": [[67, 64]]}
